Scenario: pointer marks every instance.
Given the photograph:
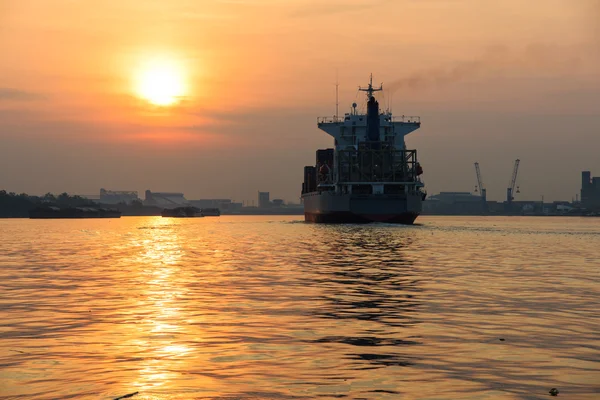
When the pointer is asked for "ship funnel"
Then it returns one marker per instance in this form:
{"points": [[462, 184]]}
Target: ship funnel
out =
{"points": [[373, 120]]}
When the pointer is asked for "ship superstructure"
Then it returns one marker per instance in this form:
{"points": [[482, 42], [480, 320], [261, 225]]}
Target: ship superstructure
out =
{"points": [[369, 175]]}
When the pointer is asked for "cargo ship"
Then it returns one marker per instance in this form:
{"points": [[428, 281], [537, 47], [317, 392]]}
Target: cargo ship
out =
{"points": [[52, 212], [369, 176]]}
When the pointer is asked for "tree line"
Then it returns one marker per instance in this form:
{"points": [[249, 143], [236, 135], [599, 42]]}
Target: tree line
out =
{"points": [[14, 205]]}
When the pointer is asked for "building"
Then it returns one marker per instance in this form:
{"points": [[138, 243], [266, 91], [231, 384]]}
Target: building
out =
{"points": [[264, 200], [118, 196], [226, 206], [211, 203], [454, 203], [165, 199], [590, 190], [233, 208]]}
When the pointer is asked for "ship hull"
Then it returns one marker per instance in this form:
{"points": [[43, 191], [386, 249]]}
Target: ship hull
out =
{"points": [[351, 218], [333, 208]]}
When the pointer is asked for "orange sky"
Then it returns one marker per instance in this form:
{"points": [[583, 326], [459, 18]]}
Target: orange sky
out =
{"points": [[493, 81]]}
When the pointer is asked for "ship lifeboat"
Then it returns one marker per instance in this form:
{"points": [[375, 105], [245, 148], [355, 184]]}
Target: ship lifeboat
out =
{"points": [[418, 169]]}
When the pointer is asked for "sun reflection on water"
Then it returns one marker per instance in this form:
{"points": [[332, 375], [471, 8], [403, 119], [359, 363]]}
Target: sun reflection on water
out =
{"points": [[159, 259]]}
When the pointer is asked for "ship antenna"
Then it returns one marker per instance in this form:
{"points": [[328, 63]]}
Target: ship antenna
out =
{"points": [[370, 89], [337, 103]]}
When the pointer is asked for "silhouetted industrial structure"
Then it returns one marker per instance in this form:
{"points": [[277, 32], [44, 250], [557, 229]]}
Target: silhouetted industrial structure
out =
{"points": [[165, 199], [264, 200], [510, 191], [482, 189], [454, 203], [590, 190], [464, 203], [118, 196], [226, 206]]}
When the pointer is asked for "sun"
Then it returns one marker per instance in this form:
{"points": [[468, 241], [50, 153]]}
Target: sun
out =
{"points": [[161, 82]]}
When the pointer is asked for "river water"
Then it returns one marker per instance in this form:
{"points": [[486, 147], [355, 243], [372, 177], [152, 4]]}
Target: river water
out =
{"points": [[272, 308]]}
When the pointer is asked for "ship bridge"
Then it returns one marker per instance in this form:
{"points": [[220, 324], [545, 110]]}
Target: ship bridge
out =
{"points": [[374, 126], [351, 129]]}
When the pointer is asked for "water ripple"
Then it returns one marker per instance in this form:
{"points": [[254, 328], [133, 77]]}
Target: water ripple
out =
{"points": [[273, 308]]}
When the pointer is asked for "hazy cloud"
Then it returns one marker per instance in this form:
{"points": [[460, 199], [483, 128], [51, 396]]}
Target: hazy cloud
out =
{"points": [[594, 19], [330, 8], [18, 95]]}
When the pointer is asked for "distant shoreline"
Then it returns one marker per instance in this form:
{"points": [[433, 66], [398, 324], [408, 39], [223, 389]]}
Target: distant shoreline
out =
{"points": [[301, 214]]}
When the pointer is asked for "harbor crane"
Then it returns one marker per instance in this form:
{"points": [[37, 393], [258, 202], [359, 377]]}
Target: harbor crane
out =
{"points": [[482, 190], [511, 188]]}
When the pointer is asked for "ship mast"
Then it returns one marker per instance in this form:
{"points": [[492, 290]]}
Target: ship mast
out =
{"points": [[337, 103], [370, 89]]}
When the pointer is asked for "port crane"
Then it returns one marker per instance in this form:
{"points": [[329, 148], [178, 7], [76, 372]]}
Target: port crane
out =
{"points": [[482, 190], [511, 188]]}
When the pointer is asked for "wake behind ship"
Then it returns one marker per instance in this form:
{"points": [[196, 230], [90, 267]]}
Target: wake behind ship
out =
{"points": [[369, 176]]}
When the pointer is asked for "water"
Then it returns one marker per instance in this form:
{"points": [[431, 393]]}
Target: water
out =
{"points": [[273, 308]]}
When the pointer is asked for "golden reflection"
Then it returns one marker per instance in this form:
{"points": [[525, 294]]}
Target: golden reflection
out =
{"points": [[175, 350], [160, 331]]}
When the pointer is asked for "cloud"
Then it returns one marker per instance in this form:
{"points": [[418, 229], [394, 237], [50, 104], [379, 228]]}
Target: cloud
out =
{"points": [[330, 8], [209, 129], [18, 95], [594, 16]]}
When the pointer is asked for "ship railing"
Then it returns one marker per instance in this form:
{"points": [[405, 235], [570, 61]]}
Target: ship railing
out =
{"points": [[330, 120], [380, 182], [410, 119]]}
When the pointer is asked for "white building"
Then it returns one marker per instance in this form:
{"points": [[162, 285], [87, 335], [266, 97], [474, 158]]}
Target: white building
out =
{"points": [[117, 196], [165, 199]]}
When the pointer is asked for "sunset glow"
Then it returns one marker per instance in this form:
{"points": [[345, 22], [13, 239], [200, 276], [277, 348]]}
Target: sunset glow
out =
{"points": [[160, 82], [263, 199], [239, 85]]}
